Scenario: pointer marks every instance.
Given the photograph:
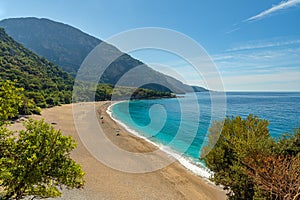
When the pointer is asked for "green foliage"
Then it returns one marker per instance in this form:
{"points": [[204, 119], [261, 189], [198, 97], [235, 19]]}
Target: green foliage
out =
{"points": [[142, 93], [289, 144], [241, 152], [29, 107], [39, 78], [13, 101], [10, 100], [38, 162], [85, 92], [239, 139]]}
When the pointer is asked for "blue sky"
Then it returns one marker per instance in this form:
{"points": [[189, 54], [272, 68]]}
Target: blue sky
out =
{"points": [[255, 44]]}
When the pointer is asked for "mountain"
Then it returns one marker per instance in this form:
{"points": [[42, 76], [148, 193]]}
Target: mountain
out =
{"points": [[43, 81], [59, 43], [45, 84], [67, 47]]}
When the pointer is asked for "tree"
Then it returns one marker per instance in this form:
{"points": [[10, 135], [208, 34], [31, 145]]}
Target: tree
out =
{"points": [[239, 139], [277, 175], [10, 100], [13, 101], [250, 164], [38, 162], [29, 107], [289, 144]]}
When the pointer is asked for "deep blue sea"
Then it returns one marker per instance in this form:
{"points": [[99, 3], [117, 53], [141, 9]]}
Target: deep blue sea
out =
{"points": [[182, 124]]}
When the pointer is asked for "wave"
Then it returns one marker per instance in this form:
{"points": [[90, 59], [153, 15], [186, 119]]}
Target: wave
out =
{"points": [[193, 166]]}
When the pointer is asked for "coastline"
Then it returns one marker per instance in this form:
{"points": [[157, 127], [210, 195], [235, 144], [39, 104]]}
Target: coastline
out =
{"points": [[125, 127], [188, 163], [102, 182]]}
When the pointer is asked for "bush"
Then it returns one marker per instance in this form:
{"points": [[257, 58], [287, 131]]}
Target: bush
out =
{"points": [[245, 154], [37, 162]]}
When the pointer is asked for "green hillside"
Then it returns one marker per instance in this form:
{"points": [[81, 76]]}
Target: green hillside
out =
{"points": [[43, 81]]}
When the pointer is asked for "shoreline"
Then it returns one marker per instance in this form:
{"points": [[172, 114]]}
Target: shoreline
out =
{"points": [[128, 129], [102, 182], [196, 168]]}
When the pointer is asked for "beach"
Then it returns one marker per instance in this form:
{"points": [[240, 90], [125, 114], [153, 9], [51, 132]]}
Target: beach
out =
{"points": [[103, 182]]}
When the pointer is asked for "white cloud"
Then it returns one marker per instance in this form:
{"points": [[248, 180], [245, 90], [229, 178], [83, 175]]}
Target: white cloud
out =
{"points": [[262, 69], [233, 30], [261, 44], [264, 66], [263, 82], [276, 8], [263, 59]]}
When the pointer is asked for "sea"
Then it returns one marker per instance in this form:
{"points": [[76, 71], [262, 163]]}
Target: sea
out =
{"points": [[180, 125]]}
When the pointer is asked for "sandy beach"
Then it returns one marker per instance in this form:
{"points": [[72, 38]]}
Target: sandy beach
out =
{"points": [[103, 182]]}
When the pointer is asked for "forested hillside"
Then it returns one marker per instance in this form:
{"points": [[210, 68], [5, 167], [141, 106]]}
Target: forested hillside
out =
{"points": [[44, 82]]}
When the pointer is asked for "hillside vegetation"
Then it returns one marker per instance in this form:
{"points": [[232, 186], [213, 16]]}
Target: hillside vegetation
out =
{"points": [[45, 83]]}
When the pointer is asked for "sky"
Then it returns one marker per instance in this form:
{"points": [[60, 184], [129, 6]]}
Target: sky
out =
{"points": [[254, 44]]}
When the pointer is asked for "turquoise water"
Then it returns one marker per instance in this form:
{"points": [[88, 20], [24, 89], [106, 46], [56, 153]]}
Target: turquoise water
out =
{"points": [[182, 124]]}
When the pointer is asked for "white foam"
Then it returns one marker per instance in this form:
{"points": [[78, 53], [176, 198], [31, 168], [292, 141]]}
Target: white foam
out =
{"points": [[195, 167]]}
